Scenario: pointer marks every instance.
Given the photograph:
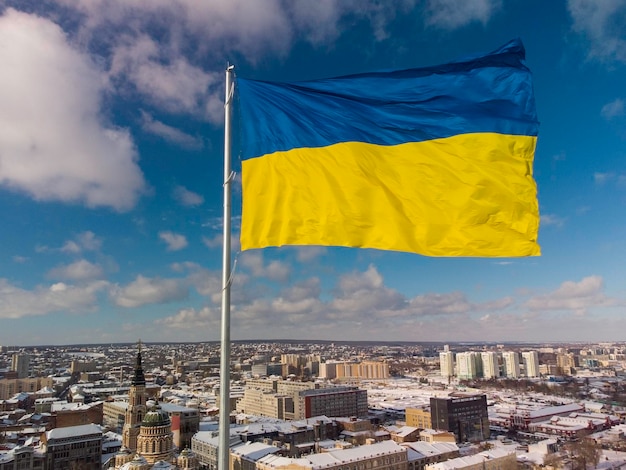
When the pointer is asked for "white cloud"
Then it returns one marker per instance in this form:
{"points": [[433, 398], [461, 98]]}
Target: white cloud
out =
{"points": [[78, 271], [452, 14], [304, 254], [216, 241], [144, 291], [169, 133], [187, 198], [202, 320], [181, 87], [84, 241], [613, 109], [54, 143], [552, 219], [577, 297], [175, 241], [16, 302], [275, 270], [603, 178], [604, 26]]}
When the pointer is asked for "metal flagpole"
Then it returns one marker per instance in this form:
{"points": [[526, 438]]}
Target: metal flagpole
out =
{"points": [[224, 423]]}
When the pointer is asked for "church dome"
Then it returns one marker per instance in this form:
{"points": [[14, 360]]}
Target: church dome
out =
{"points": [[138, 463], [156, 417]]}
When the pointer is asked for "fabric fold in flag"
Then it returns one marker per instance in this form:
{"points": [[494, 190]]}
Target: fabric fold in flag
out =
{"points": [[436, 161]]}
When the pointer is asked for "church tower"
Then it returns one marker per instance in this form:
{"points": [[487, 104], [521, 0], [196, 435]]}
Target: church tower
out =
{"points": [[136, 409]]}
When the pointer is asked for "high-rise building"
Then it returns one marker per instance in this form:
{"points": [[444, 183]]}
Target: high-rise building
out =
{"points": [[463, 414], [20, 363], [467, 365], [446, 363], [511, 364], [531, 363], [565, 363], [491, 369]]}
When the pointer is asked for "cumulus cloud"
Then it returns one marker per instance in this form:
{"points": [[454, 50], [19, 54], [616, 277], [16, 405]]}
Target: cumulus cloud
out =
{"points": [[613, 109], [80, 270], [604, 26], [360, 301], [552, 219], [451, 14], [169, 133], [304, 254], [202, 320], [54, 143], [16, 302], [191, 34], [175, 241], [181, 87], [577, 297], [187, 198], [84, 241], [274, 270], [217, 241], [145, 290]]}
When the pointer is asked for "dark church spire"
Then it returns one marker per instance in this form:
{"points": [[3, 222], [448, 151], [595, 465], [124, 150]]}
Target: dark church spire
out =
{"points": [[139, 378]]}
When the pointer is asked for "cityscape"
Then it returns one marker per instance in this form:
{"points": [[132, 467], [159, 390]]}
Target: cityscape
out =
{"points": [[315, 405], [126, 127]]}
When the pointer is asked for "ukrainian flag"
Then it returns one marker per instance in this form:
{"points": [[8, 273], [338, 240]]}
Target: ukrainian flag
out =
{"points": [[436, 161]]}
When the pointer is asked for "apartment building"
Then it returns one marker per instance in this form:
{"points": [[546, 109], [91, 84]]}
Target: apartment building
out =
{"points": [[511, 364], [531, 363]]}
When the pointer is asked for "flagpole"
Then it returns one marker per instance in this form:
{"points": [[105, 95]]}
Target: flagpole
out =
{"points": [[224, 417]]}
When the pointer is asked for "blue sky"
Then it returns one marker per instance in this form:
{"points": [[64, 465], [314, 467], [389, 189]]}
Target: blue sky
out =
{"points": [[111, 145]]}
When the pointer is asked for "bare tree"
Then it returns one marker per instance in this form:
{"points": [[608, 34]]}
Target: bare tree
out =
{"points": [[584, 454]]}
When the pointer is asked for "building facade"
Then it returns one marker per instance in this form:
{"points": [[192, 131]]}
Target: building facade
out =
{"points": [[531, 363], [73, 447], [463, 414], [511, 364], [491, 368], [446, 363], [332, 402], [20, 363]]}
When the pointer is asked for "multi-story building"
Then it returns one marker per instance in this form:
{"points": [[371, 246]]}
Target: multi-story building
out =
{"points": [[531, 363], [494, 459], [11, 387], [467, 364], [511, 364], [332, 402], [73, 447], [245, 456], [362, 370], [565, 363], [328, 370], [491, 369], [385, 455], [20, 363], [205, 445], [425, 453], [446, 363], [288, 400], [23, 457], [418, 417], [463, 414], [266, 403]]}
